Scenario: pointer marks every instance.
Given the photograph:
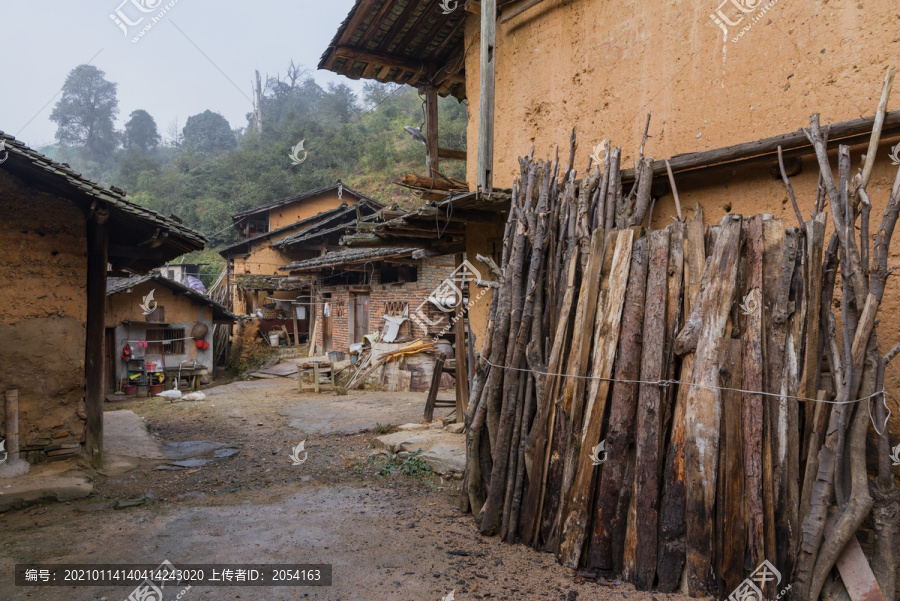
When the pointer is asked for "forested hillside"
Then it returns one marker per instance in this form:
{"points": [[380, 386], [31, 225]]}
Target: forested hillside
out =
{"points": [[206, 169]]}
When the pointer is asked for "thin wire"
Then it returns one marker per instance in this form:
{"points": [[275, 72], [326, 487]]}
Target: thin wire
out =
{"points": [[21, 129], [437, 223], [666, 383], [211, 61]]}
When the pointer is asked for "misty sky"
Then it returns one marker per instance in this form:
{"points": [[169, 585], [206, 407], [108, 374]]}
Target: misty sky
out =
{"points": [[163, 73]]}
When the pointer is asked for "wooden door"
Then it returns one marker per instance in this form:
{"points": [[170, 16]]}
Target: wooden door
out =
{"points": [[327, 330], [110, 353], [360, 316]]}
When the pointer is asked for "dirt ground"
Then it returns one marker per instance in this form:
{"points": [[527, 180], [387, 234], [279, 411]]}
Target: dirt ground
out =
{"points": [[388, 537]]}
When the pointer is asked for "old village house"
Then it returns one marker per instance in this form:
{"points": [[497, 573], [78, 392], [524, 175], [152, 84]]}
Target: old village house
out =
{"points": [[61, 234]]}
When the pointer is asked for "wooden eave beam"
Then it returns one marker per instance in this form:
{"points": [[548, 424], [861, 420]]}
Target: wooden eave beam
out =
{"points": [[856, 131], [429, 214], [385, 60], [453, 155]]}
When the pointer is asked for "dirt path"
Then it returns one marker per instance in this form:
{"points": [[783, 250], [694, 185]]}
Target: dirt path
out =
{"points": [[388, 537]]}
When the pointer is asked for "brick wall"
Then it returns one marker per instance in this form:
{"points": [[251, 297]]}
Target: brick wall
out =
{"points": [[430, 274]]}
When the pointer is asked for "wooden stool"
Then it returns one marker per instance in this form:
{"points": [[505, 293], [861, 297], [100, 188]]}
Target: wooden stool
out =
{"points": [[316, 367]]}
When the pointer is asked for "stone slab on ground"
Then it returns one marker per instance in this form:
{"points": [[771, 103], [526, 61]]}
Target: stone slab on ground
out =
{"points": [[190, 448], [125, 435], [443, 451], [412, 427], [45, 483]]}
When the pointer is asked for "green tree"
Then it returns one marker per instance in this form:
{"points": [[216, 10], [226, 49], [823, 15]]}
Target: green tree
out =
{"points": [[132, 166], [141, 132], [86, 112], [208, 133]]}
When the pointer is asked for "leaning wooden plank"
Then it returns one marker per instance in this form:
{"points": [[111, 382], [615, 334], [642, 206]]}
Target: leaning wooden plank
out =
{"points": [[774, 335], [857, 574], [609, 524], [791, 388], [731, 522], [670, 565], [574, 529], [704, 406], [435, 385], [674, 316], [752, 402], [646, 481], [815, 240], [572, 401], [779, 261], [814, 443], [543, 423]]}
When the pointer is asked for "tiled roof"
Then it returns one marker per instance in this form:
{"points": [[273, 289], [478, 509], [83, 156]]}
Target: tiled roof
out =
{"points": [[292, 199], [121, 285], [114, 197], [130, 224], [346, 257]]}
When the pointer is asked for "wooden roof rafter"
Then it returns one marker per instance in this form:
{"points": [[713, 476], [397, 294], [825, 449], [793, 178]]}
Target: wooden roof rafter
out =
{"points": [[401, 41]]}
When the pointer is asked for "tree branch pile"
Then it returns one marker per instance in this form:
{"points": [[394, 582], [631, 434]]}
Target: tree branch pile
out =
{"points": [[649, 404]]}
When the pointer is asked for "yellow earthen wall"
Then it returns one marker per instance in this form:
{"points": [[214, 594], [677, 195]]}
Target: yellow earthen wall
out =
{"points": [[600, 68], [178, 309], [307, 208], [43, 296]]}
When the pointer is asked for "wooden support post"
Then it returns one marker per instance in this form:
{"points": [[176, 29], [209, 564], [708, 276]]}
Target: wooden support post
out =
{"points": [[431, 131], [316, 377], [98, 243], [296, 326], [12, 425], [314, 314], [461, 361], [486, 95], [435, 385]]}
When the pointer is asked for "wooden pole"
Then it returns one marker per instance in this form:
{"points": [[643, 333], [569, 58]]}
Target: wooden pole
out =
{"points": [[314, 314], [486, 95], [461, 361], [614, 490], [98, 243], [575, 526], [296, 325], [431, 132], [12, 425], [752, 412], [435, 385], [731, 521], [649, 414]]}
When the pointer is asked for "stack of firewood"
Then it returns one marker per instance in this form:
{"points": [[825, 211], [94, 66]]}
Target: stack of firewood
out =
{"points": [[679, 406]]}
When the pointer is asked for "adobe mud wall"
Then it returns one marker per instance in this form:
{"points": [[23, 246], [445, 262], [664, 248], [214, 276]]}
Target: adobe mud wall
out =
{"points": [[42, 325], [307, 208], [600, 68]]}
